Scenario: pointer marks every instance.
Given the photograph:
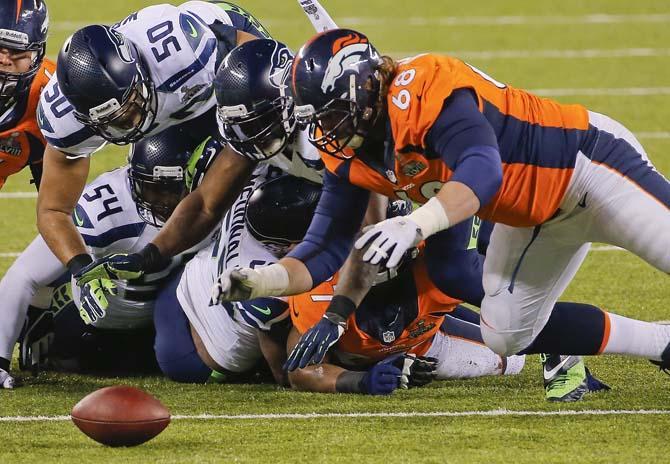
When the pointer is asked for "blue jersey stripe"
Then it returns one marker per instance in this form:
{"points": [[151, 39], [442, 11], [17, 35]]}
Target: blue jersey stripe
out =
{"points": [[181, 77], [71, 140], [110, 236], [527, 143]]}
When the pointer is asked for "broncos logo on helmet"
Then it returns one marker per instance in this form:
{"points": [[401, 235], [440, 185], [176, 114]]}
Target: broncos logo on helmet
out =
{"points": [[335, 87], [348, 52]]}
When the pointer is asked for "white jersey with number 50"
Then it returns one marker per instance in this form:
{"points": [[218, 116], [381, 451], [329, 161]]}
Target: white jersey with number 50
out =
{"points": [[180, 53]]}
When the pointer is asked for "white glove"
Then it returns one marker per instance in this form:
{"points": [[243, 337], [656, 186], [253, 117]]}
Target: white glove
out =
{"points": [[390, 239], [242, 284], [6, 380]]}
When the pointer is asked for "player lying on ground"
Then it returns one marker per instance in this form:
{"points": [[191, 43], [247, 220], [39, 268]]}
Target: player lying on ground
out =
{"points": [[553, 177], [231, 340], [120, 211], [23, 74], [404, 313]]}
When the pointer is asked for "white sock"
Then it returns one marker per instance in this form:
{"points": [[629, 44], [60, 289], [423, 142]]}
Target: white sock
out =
{"points": [[515, 364], [636, 338]]}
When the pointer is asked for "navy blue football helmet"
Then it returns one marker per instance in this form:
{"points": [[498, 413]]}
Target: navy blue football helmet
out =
{"points": [[336, 86], [24, 25], [102, 75], [255, 108], [280, 211], [157, 173]]}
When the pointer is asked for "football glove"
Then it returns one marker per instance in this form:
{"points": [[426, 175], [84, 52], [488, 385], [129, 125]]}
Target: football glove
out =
{"points": [[382, 378], [112, 267], [388, 240], [417, 371], [6, 380], [240, 284], [315, 343], [93, 300], [36, 340]]}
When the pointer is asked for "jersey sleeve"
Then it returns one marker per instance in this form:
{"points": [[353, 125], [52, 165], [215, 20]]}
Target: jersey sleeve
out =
{"points": [[337, 218], [55, 117], [263, 313], [228, 14], [415, 98]]}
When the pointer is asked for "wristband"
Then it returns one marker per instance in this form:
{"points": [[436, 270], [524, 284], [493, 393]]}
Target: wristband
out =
{"points": [[274, 280], [350, 382], [431, 218], [341, 306], [152, 259], [79, 262]]}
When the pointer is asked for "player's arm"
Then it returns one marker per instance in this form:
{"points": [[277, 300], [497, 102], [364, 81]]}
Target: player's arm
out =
{"points": [[63, 181], [467, 143], [355, 280], [202, 210], [322, 252], [382, 378]]}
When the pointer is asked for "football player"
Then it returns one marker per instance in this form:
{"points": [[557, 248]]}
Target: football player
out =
{"points": [[24, 71], [119, 84], [195, 339], [120, 211], [553, 177]]}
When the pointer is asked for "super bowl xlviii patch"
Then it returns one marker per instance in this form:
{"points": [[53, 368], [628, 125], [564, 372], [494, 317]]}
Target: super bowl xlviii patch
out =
{"points": [[11, 144], [412, 168], [190, 92]]}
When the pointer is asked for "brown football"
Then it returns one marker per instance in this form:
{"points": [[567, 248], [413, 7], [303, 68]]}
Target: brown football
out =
{"points": [[120, 416]]}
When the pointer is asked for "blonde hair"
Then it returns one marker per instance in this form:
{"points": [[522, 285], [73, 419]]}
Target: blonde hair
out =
{"points": [[387, 70]]}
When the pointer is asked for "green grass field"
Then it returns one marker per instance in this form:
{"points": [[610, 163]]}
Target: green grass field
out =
{"points": [[611, 55]]}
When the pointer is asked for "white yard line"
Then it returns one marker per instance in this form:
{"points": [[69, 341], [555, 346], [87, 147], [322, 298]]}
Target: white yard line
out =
{"points": [[7, 195], [363, 415], [417, 21]]}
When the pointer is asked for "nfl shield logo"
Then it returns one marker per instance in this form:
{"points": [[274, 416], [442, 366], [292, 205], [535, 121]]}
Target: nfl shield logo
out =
{"points": [[388, 337]]}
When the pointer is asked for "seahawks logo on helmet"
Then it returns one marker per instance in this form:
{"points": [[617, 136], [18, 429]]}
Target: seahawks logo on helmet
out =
{"points": [[281, 67], [122, 47]]}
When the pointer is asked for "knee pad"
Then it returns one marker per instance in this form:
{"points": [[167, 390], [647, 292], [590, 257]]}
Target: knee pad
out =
{"points": [[501, 327]]}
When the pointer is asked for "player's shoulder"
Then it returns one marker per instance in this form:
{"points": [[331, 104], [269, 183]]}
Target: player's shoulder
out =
{"points": [[105, 212], [417, 93], [55, 117]]}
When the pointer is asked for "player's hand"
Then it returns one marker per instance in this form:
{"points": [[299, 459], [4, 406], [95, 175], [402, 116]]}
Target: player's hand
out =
{"points": [[241, 284], [6, 380], [119, 266], [389, 240], [417, 371], [93, 300], [315, 343], [382, 378], [235, 285], [36, 341]]}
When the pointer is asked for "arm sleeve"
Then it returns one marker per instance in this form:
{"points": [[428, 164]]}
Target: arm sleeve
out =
{"points": [[330, 236], [467, 143], [454, 263], [35, 268]]}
